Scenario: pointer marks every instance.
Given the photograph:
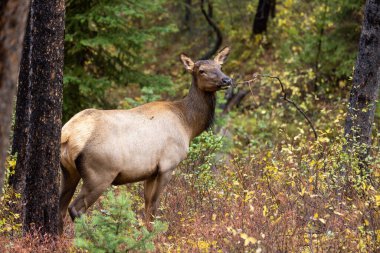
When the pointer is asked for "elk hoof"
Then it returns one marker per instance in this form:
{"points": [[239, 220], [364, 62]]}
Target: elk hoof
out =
{"points": [[149, 226], [73, 213]]}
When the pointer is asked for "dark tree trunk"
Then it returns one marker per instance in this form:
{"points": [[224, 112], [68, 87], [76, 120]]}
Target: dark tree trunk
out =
{"points": [[13, 15], [22, 116], [187, 17], [45, 77], [366, 81], [264, 9], [234, 99]]}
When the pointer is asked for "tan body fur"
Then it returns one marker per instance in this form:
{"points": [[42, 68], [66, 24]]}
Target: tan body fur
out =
{"points": [[146, 143], [126, 137]]}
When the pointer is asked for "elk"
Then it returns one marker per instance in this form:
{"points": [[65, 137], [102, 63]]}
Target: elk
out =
{"points": [[146, 143]]}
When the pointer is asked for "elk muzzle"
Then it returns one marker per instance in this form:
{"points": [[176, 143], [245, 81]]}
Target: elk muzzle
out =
{"points": [[225, 83]]}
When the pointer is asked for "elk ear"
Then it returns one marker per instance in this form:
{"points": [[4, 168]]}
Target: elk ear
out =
{"points": [[188, 62], [221, 57]]}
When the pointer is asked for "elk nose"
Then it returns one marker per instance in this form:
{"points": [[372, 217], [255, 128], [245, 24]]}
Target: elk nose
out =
{"points": [[226, 80]]}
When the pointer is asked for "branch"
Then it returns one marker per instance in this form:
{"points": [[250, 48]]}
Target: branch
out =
{"points": [[234, 100], [249, 82], [219, 36]]}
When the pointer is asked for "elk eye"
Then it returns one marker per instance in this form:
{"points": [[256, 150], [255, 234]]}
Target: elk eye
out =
{"points": [[202, 72]]}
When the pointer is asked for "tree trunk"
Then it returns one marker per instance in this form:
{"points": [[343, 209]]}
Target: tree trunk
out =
{"points": [[45, 77], [22, 116], [264, 8], [233, 99], [187, 17], [366, 81], [13, 15]]}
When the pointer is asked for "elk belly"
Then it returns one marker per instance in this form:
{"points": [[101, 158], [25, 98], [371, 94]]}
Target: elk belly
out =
{"points": [[142, 149]]}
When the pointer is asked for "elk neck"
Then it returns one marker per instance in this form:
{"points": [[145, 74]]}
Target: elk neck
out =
{"points": [[197, 109]]}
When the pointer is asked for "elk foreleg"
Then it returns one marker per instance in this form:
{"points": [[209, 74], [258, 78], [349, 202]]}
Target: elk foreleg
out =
{"points": [[148, 189]]}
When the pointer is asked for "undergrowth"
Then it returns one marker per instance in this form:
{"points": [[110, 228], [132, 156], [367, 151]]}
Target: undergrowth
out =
{"points": [[115, 228], [241, 190]]}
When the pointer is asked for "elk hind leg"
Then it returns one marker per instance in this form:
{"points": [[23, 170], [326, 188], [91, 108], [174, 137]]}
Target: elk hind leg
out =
{"points": [[87, 196], [69, 182]]}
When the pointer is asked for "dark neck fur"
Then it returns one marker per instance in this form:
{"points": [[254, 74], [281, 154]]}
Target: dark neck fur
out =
{"points": [[198, 109]]}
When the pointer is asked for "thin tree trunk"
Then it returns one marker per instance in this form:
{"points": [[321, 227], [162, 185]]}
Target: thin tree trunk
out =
{"points": [[366, 82], [233, 99], [13, 15], [264, 9], [46, 79], [321, 29], [187, 17]]}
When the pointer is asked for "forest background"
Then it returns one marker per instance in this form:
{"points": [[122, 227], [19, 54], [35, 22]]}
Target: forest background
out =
{"points": [[258, 180]]}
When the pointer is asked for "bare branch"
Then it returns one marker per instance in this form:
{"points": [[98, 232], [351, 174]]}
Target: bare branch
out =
{"points": [[218, 33], [285, 97]]}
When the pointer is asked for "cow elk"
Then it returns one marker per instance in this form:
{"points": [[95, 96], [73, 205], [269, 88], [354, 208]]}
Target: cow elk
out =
{"points": [[146, 143]]}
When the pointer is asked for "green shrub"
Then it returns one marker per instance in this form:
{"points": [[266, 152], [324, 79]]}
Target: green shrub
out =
{"points": [[10, 219], [115, 228]]}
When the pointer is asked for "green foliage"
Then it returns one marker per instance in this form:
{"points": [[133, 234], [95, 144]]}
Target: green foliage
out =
{"points": [[115, 228], [318, 39], [147, 94], [106, 46], [201, 161]]}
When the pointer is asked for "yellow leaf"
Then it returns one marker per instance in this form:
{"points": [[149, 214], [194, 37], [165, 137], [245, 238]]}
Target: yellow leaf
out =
{"points": [[324, 139], [247, 239], [265, 210], [303, 190], [316, 216], [213, 216], [377, 199], [12, 163], [243, 236]]}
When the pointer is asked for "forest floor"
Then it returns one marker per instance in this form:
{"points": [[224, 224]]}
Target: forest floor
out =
{"points": [[297, 195]]}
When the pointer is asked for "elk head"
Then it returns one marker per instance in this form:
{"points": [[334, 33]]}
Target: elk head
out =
{"points": [[207, 74]]}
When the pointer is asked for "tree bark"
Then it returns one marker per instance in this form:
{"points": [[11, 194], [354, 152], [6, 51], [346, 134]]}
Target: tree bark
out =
{"points": [[260, 22], [45, 77], [366, 82], [22, 115], [13, 15]]}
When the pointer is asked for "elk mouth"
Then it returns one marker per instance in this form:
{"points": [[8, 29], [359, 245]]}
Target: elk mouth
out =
{"points": [[224, 86]]}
